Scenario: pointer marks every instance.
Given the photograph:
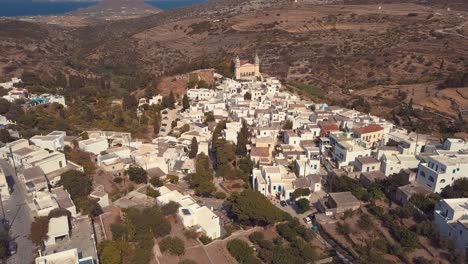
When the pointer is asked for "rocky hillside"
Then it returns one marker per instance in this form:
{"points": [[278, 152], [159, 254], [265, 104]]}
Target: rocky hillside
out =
{"points": [[369, 57]]}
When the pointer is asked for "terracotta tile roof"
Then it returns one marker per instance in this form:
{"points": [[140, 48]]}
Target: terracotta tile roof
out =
{"points": [[260, 152], [368, 129], [329, 127]]}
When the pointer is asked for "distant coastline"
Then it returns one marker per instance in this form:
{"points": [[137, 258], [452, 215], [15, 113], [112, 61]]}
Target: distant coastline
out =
{"points": [[19, 8]]}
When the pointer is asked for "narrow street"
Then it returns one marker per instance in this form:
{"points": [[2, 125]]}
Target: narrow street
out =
{"points": [[19, 216]]}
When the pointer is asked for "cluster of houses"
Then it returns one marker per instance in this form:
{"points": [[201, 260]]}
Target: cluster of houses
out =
{"points": [[39, 164], [295, 144], [14, 93], [322, 141]]}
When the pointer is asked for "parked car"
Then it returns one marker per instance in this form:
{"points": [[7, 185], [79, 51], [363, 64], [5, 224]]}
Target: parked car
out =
{"points": [[283, 203], [12, 247], [307, 220]]}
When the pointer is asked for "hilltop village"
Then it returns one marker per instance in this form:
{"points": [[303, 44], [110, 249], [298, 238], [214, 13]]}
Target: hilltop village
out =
{"points": [[243, 170]]}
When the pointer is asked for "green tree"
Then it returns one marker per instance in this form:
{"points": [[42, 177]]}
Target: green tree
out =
{"points": [[209, 117], [193, 148], [156, 123], [302, 205], [119, 231], [170, 208], [260, 212], [156, 182], [76, 183], [109, 252], [137, 174], [152, 192], [300, 192], [458, 189], [39, 229], [205, 188], [185, 103], [288, 124], [425, 202], [173, 245], [240, 250], [88, 206], [129, 102], [5, 136], [242, 139], [169, 101]]}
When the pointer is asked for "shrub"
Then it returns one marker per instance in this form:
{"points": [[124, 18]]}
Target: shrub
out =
{"points": [[173, 179], [256, 237], [191, 234], [205, 239], [156, 182], [343, 229], [365, 222], [220, 195], [302, 205], [76, 183], [240, 250], [39, 229], [119, 231], [137, 174], [152, 192], [174, 245]]}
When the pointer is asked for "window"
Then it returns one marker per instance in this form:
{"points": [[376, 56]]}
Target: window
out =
{"points": [[422, 174], [60, 164], [274, 187], [431, 178], [279, 188], [442, 181], [454, 170]]}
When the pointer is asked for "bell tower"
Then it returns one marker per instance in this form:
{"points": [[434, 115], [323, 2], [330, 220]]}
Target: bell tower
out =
{"points": [[237, 67], [257, 65]]}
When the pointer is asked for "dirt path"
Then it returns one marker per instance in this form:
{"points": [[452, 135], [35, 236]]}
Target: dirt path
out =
{"points": [[449, 31]]}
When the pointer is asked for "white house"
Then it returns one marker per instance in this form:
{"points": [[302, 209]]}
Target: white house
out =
{"points": [[307, 166], [191, 213], [64, 257], [53, 141], [345, 152], [451, 219], [200, 94], [9, 85], [273, 180], [391, 164], [442, 170], [231, 131], [94, 145], [58, 229]]}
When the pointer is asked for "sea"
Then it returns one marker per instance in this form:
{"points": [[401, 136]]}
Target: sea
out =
{"points": [[21, 8]]}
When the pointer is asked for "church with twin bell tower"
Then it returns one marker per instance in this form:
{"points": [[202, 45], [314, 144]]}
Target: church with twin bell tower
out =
{"points": [[246, 71]]}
